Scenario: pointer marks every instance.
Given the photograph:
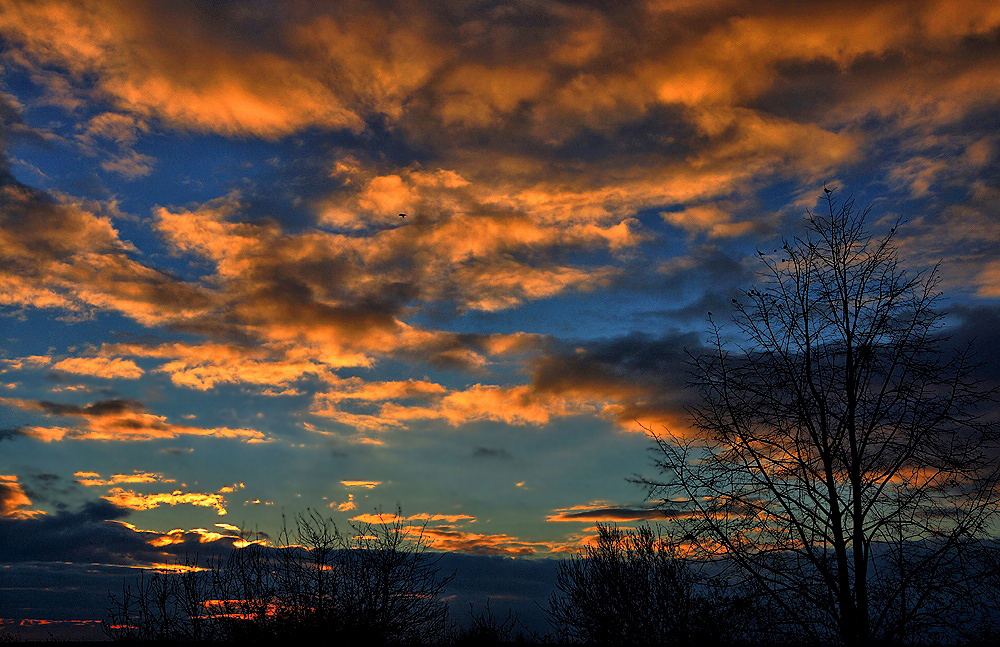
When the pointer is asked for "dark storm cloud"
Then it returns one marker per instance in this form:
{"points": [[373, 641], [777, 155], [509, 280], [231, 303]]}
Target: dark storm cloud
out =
{"points": [[98, 409], [976, 334], [613, 514], [11, 433], [640, 377], [94, 534], [492, 453], [81, 535], [47, 489], [79, 591], [705, 280], [636, 358], [978, 329], [522, 585]]}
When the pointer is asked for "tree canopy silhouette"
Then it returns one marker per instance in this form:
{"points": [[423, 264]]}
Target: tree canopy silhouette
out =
{"points": [[837, 461]]}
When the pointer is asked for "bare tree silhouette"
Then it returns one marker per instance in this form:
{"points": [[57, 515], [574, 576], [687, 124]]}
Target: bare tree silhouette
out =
{"points": [[375, 582], [837, 460], [632, 588]]}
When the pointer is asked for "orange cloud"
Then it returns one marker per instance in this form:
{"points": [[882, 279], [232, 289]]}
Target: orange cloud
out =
{"points": [[19, 363], [513, 405], [336, 323], [384, 518], [60, 255], [179, 536], [368, 485], [204, 365], [13, 500], [709, 219], [989, 280], [488, 228], [93, 479], [587, 70], [346, 506], [561, 386], [100, 367], [452, 540], [435, 531], [140, 62], [136, 501], [118, 420]]}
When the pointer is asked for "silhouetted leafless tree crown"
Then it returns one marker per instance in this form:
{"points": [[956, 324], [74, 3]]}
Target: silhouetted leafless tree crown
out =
{"points": [[631, 587], [836, 459], [375, 583]]}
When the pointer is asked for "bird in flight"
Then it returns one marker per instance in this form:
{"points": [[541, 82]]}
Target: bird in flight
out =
{"points": [[402, 215]]}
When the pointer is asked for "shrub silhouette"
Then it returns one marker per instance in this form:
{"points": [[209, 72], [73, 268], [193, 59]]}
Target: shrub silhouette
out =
{"points": [[487, 629]]}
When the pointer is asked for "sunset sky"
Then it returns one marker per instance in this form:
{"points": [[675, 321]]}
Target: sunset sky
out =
{"points": [[212, 313]]}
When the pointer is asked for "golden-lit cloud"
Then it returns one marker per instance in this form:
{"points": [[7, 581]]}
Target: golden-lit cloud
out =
{"points": [[368, 485], [562, 385], [23, 363], [345, 506], [387, 518], [334, 66], [140, 61], [61, 255], [204, 365], [100, 367], [14, 502], [454, 540], [513, 405], [93, 479], [439, 532], [587, 70], [133, 500], [989, 280], [180, 538], [709, 219], [553, 161], [118, 420], [520, 405]]}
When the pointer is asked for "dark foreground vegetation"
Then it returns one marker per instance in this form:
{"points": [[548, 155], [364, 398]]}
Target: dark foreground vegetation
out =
{"points": [[377, 584]]}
